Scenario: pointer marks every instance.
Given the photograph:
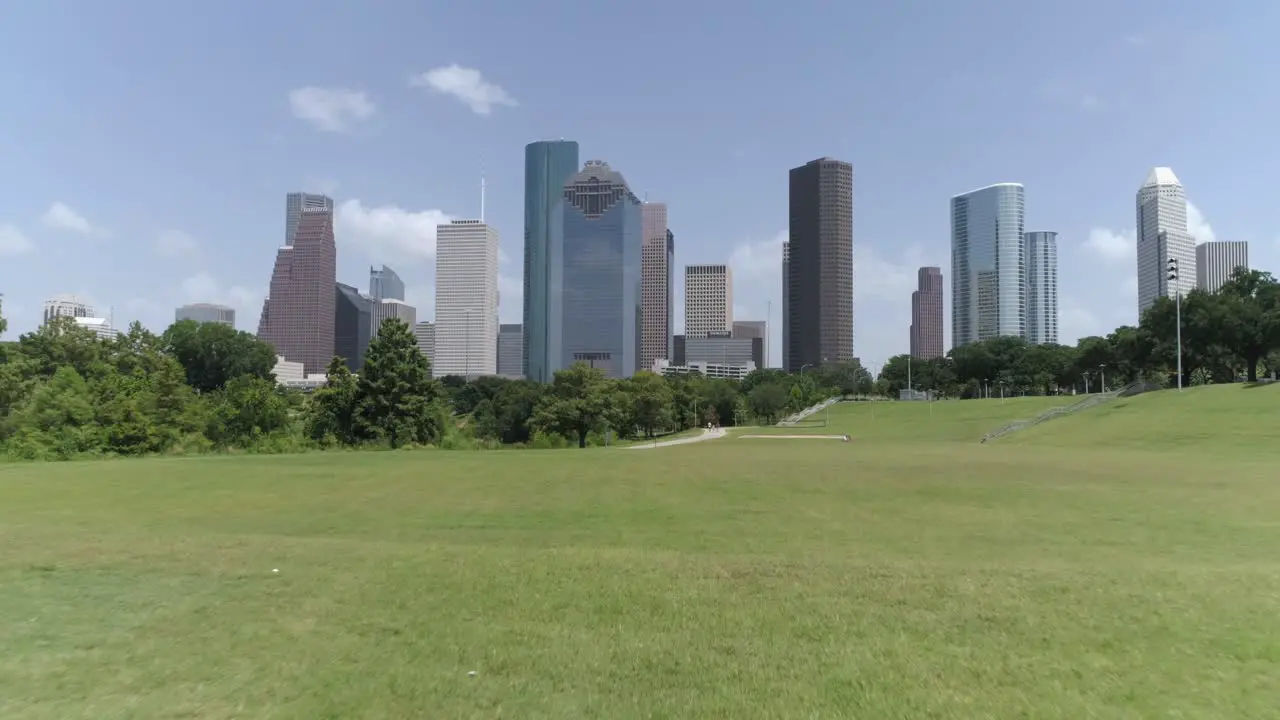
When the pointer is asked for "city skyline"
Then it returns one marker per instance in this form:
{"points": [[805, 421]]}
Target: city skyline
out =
{"points": [[98, 190]]}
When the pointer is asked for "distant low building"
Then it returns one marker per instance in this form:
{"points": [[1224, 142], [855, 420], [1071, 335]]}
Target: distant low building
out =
{"points": [[711, 370], [206, 312], [292, 375], [98, 326]]}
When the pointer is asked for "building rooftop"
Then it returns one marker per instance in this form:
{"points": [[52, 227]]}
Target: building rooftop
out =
{"points": [[988, 187], [1161, 176]]}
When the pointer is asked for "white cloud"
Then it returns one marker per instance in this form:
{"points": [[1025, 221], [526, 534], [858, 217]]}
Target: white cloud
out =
{"points": [[331, 109], [389, 233], [176, 244], [205, 288], [63, 217], [13, 241], [466, 85], [1113, 246], [1120, 246], [510, 298], [1198, 226]]}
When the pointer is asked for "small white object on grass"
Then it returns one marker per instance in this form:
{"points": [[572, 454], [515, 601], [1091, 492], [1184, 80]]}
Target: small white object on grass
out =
{"points": [[471, 674], [275, 570]]}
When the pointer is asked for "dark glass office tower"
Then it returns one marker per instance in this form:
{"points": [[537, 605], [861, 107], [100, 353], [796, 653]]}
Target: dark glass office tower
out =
{"points": [[547, 166], [352, 326], [819, 304]]}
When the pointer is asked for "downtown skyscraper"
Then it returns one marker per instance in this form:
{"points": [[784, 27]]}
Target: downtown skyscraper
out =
{"points": [[926, 314], [1162, 235], [818, 326], [1040, 251], [466, 328], [603, 232], [1217, 260], [295, 203], [298, 313], [988, 266], [547, 166], [656, 290]]}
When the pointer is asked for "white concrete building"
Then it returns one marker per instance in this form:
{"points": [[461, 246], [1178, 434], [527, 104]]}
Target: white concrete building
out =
{"points": [[708, 300], [98, 326], [291, 374], [1162, 234], [1215, 261], [711, 370], [66, 306], [425, 334], [466, 334]]}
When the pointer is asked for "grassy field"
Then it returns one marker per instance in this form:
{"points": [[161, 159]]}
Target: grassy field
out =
{"points": [[915, 422], [1072, 572]]}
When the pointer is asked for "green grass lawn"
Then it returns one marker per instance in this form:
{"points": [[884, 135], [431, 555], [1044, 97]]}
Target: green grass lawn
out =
{"points": [[1042, 575], [915, 422]]}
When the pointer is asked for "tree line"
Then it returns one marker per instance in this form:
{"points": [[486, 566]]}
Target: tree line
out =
{"points": [[195, 388], [1229, 335]]}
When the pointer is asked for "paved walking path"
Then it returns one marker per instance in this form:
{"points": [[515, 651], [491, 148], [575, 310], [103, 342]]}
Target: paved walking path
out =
{"points": [[795, 437], [706, 435]]}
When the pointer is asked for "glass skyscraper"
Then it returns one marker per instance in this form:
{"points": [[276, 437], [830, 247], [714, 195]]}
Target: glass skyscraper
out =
{"points": [[547, 166], [1042, 287], [603, 236], [988, 264]]}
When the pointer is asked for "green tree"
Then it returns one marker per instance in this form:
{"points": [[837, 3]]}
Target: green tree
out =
{"points": [[57, 420], [577, 404], [399, 402], [212, 354], [61, 343], [1249, 322], [768, 401], [332, 411], [247, 410], [648, 401]]}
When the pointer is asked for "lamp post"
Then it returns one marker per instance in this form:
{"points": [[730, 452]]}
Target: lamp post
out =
{"points": [[1102, 376], [1173, 278]]}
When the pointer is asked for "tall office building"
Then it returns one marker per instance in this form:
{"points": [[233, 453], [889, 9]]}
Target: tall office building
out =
{"points": [[988, 268], [1040, 252], [425, 334], [1162, 234], [819, 302], [385, 284], [656, 296], [466, 299], [708, 300], [66, 306], [786, 317], [295, 203], [352, 326], [510, 345], [926, 314], [386, 290], [758, 332], [599, 320], [1217, 260], [297, 316], [547, 166], [206, 312]]}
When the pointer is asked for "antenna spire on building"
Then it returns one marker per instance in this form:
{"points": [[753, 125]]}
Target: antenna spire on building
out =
{"points": [[482, 191]]}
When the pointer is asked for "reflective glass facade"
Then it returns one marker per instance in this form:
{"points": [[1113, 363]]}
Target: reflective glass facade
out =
{"points": [[600, 291], [547, 166], [988, 264]]}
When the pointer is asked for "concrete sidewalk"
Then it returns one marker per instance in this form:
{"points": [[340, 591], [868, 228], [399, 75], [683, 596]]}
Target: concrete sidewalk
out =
{"points": [[706, 435]]}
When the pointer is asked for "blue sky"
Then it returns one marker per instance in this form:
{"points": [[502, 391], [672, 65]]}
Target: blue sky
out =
{"points": [[147, 145]]}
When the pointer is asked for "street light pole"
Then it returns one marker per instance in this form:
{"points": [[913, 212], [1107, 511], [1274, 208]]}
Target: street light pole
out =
{"points": [[1173, 277], [1102, 375]]}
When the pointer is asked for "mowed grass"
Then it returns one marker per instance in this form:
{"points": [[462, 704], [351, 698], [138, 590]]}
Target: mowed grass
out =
{"points": [[917, 422], [732, 578]]}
